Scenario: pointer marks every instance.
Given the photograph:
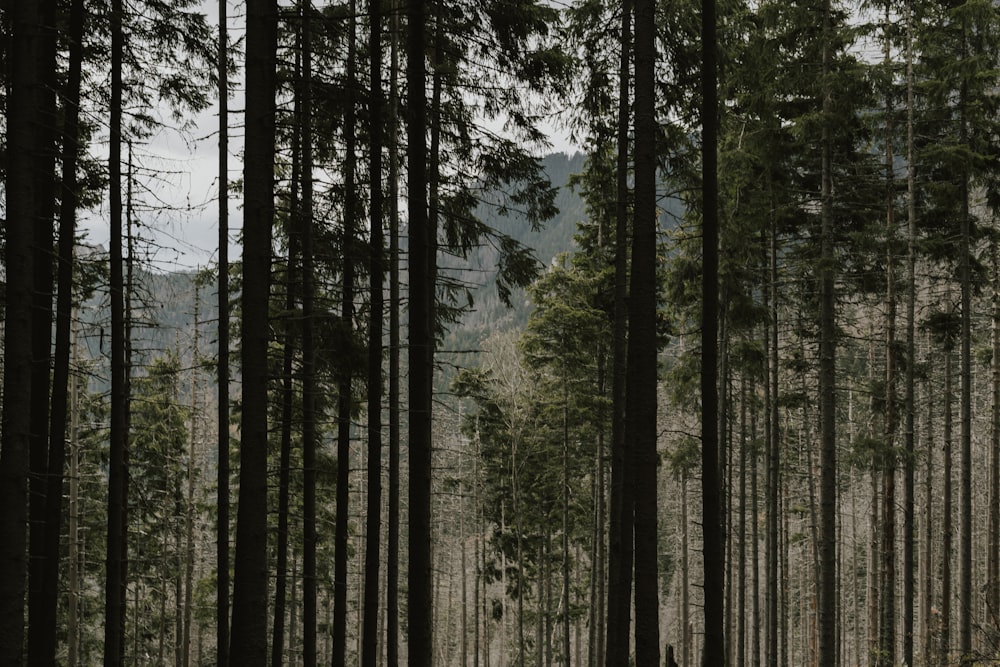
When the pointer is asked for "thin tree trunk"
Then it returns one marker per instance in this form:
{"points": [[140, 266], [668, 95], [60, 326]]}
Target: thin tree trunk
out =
{"points": [[622, 498], [966, 612], [909, 400], [73, 539], [376, 272], [115, 582], [565, 526], [772, 479], [344, 401], [712, 510], [887, 596], [287, 372], [189, 510], [827, 383], [993, 549], [392, 537], [741, 604], [309, 389], [946, 531], [69, 202], [686, 649], [222, 445]]}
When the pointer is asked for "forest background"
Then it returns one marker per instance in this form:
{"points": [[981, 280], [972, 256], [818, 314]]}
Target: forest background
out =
{"points": [[689, 395]]}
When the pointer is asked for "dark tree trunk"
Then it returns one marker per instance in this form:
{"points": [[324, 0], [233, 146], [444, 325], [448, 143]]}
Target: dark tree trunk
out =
{"points": [[309, 414], [376, 272], [117, 541], [41, 648], [250, 589], [392, 536], [711, 484], [622, 501], [887, 597], [344, 402], [827, 378], [421, 349], [21, 196], [287, 379], [64, 307], [909, 400], [966, 612], [642, 365], [773, 472]]}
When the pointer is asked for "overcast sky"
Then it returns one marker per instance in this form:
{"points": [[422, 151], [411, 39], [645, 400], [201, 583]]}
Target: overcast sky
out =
{"points": [[177, 182]]}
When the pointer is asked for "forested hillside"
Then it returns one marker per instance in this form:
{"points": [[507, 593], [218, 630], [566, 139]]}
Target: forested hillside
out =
{"points": [[720, 388]]}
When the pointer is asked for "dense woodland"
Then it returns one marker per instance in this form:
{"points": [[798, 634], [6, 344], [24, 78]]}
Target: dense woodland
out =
{"points": [[722, 389]]}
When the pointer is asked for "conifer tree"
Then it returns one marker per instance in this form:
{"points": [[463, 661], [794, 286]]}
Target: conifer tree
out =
{"points": [[249, 624]]}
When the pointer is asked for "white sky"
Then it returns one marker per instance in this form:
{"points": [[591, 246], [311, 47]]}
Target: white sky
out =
{"points": [[178, 181]]}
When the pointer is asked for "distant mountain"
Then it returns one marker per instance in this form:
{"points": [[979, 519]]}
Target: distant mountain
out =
{"points": [[164, 307], [488, 313]]}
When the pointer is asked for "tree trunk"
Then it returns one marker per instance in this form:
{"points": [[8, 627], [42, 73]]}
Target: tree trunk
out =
{"points": [[909, 400], [189, 509], [73, 552], [712, 511], [741, 584], [309, 388], [21, 194], [772, 478], [222, 445], [965, 372], [887, 596], [287, 375], [41, 648], [565, 526], [114, 586], [641, 380], [827, 383], [376, 272], [250, 589], [69, 202], [344, 402], [421, 349], [946, 530], [392, 537], [622, 499], [993, 548]]}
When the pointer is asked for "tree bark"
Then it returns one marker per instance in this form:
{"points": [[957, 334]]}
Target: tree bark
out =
{"points": [[946, 530], [222, 445], [292, 284], [69, 202], [392, 536], [827, 382], [713, 527], [309, 386], [41, 616], [966, 612], [114, 586], [909, 400], [641, 380], [250, 590], [376, 271], [421, 349], [21, 195], [344, 399]]}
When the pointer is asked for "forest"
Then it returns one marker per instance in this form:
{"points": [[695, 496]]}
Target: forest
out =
{"points": [[721, 388]]}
